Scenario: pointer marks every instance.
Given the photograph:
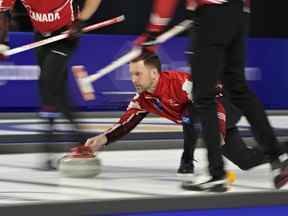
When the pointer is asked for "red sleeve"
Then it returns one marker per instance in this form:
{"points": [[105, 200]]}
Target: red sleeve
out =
{"points": [[163, 10], [128, 121], [6, 5]]}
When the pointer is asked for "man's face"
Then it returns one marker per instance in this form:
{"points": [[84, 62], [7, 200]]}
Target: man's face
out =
{"points": [[142, 76]]}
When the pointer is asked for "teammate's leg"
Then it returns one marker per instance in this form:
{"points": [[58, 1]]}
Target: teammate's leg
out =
{"points": [[245, 157], [208, 50], [243, 98], [190, 136]]}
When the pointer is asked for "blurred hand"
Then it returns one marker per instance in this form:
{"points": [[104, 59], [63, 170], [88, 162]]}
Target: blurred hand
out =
{"points": [[3, 48], [81, 152], [145, 40], [75, 29], [96, 143]]}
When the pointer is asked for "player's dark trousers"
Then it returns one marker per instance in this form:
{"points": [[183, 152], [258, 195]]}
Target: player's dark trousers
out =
{"points": [[234, 148], [53, 82], [53, 59], [244, 99], [239, 153], [215, 27]]}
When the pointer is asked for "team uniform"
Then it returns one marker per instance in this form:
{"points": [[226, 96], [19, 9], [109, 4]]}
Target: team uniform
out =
{"points": [[172, 100], [46, 16], [51, 18], [218, 53]]}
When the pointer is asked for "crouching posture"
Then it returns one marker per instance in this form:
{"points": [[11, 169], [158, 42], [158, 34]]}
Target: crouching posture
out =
{"points": [[168, 94]]}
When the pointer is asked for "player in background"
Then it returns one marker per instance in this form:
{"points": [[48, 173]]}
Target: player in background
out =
{"points": [[49, 18], [218, 53], [168, 94]]}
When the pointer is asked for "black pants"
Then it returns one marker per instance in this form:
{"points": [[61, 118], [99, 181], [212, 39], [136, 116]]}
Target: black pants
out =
{"points": [[218, 50], [245, 157], [53, 85], [234, 149], [215, 28], [53, 59], [245, 100]]}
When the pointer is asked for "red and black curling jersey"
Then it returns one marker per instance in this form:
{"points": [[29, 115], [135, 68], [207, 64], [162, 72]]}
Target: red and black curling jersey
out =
{"points": [[172, 95], [46, 15]]}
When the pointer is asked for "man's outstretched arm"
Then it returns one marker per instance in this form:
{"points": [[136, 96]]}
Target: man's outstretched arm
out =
{"points": [[128, 121]]}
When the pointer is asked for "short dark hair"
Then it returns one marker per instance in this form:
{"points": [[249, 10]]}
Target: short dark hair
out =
{"points": [[150, 59]]}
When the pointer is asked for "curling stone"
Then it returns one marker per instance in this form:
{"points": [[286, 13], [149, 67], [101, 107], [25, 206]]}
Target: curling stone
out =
{"points": [[79, 167]]}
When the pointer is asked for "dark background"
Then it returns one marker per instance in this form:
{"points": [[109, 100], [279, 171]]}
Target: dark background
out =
{"points": [[269, 18]]}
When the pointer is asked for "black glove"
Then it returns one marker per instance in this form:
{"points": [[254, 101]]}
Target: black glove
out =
{"points": [[190, 14], [75, 29]]}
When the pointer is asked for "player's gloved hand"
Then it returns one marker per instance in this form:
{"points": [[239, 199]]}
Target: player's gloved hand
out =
{"points": [[82, 152], [75, 30], [96, 143], [190, 14], [146, 41]]}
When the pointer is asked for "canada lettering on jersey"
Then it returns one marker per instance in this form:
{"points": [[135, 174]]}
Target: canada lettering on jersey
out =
{"points": [[44, 17], [49, 15]]}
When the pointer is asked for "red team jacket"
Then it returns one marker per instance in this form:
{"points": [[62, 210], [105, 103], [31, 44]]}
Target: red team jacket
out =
{"points": [[46, 15], [169, 100]]}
